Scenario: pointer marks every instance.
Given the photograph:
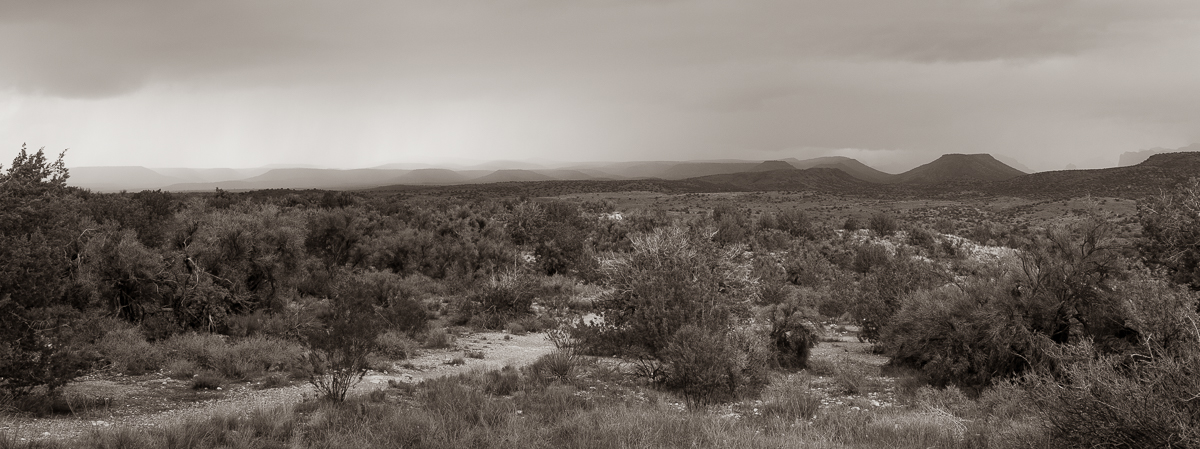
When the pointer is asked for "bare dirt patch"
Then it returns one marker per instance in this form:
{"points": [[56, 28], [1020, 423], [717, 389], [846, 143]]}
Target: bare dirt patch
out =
{"points": [[157, 400]]}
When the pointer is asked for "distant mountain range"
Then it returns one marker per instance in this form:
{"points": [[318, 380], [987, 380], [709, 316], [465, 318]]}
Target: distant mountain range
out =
{"points": [[951, 172], [1131, 158]]}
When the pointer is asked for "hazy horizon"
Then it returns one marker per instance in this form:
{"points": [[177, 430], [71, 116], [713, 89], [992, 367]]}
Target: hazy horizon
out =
{"points": [[235, 84]]}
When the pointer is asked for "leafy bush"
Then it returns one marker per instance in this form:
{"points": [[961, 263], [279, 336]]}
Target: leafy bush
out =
{"points": [[44, 347]]}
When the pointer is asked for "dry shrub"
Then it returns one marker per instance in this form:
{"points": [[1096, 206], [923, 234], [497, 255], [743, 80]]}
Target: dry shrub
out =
{"points": [[1110, 401], [129, 352], [708, 367], [395, 345], [560, 365], [791, 399], [438, 338]]}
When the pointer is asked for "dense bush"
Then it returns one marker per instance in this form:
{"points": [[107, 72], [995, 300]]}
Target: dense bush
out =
{"points": [[41, 340], [676, 303], [503, 298], [1109, 401], [966, 337], [880, 293], [1171, 232], [673, 278], [128, 352], [707, 367]]}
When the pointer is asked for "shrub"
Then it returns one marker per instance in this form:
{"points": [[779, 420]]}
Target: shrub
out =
{"points": [[338, 357], [852, 378], [501, 299], [852, 224], [129, 352], [1107, 401], [502, 382], [181, 369], [883, 224], [460, 406], [1170, 232], [792, 334], [560, 365], [958, 338], [868, 257], [515, 329], [669, 280], [880, 294], [208, 380], [253, 356], [203, 349], [923, 238], [44, 347], [706, 367], [395, 345], [791, 399], [438, 339], [806, 267]]}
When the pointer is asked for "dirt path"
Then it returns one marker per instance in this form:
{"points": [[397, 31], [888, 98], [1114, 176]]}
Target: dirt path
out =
{"points": [[156, 400]]}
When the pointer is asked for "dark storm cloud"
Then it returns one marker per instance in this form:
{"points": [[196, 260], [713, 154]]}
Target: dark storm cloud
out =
{"points": [[90, 48], [598, 79]]}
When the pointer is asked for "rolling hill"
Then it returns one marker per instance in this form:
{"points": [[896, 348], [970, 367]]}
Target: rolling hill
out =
{"points": [[792, 179], [511, 176], [431, 176], [301, 178], [958, 168], [849, 165], [1157, 173]]}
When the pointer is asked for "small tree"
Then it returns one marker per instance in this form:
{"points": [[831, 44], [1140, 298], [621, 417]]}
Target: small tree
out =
{"points": [[339, 346], [39, 343]]}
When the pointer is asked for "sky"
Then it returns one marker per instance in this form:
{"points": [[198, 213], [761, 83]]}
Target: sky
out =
{"points": [[360, 83]]}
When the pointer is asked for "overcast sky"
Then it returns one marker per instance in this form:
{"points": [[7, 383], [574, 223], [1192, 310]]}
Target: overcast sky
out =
{"points": [[359, 83]]}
